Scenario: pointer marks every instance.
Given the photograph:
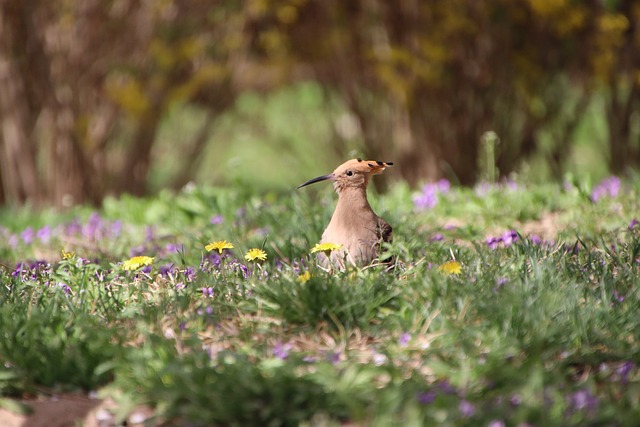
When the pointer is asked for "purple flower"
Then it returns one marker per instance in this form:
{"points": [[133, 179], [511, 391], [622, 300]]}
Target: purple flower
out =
{"points": [[216, 219], [27, 235], [443, 185], [207, 292], [404, 339], [437, 237], [515, 400], [64, 287], [44, 234], [116, 228], [496, 423], [624, 370], [92, 229], [428, 197], [281, 351], [150, 233], [190, 274], [137, 251], [73, 228], [500, 282], [426, 397], [493, 242], [172, 248], [633, 223], [609, 186], [333, 357], [180, 285], [617, 297], [166, 269], [446, 387], [466, 408], [583, 400], [509, 237], [379, 359]]}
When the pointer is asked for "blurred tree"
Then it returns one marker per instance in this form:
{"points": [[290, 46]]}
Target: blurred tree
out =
{"points": [[84, 85]]}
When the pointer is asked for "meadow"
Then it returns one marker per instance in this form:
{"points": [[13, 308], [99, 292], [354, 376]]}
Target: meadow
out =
{"points": [[509, 305]]}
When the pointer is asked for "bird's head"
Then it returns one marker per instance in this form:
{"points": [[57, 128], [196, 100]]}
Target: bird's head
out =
{"points": [[354, 173]]}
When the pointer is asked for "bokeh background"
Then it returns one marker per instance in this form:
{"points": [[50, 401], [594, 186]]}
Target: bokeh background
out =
{"points": [[104, 97]]}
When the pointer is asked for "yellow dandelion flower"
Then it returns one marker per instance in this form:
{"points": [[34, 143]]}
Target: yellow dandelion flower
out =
{"points": [[304, 277], [136, 262], [450, 267], [219, 246], [327, 248], [67, 254], [255, 254]]}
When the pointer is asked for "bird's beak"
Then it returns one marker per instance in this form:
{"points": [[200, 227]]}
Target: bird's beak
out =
{"points": [[314, 180]]}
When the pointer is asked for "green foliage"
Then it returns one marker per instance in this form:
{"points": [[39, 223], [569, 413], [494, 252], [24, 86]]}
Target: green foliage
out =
{"points": [[529, 330], [347, 299]]}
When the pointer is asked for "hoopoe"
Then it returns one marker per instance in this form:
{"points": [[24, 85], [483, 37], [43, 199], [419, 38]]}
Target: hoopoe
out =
{"points": [[354, 225]]}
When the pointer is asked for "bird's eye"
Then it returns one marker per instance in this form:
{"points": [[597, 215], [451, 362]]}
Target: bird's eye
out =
{"points": [[349, 173]]}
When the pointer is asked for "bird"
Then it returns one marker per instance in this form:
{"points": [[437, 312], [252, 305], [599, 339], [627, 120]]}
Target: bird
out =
{"points": [[354, 228]]}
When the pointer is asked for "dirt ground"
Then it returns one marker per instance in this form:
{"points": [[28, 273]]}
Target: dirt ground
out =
{"points": [[70, 410]]}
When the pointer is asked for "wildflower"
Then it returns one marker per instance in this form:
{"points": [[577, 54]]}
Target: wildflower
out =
{"points": [[496, 423], [44, 234], [136, 262], [67, 254], [116, 228], [509, 237], [92, 229], [207, 292], [500, 282], [624, 370], [404, 339], [437, 237], [583, 399], [27, 235], [190, 274], [633, 223], [304, 277], [379, 359], [450, 267], [327, 248], [219, 246], [466, 408], [216, 219], [64, 287], [426, 397], [428, 198], [281, 351], [255, 254], [607, 187]]}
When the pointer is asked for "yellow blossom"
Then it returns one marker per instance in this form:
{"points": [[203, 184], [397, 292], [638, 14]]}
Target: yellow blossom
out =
{"points": [[67, 254], [219, 246], [255, 254], [136, 262], [451, 267], [327, 248], [304, 277]]}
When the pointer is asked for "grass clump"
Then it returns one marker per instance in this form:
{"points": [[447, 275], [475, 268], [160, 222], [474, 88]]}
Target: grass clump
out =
{"points": [[507, 305]]}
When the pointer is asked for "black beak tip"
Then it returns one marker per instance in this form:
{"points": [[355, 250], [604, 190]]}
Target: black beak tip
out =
{"points": [[314, 180]]}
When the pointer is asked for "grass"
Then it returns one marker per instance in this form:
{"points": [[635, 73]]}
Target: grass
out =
{"points": [[539, 327]]}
